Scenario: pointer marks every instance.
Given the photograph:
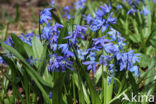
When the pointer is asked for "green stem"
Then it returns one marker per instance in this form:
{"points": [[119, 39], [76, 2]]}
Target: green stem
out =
{"points": [[74, 92]]}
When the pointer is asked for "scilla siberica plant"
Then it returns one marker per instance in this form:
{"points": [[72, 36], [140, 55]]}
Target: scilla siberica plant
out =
{"points": [[67, 58]]}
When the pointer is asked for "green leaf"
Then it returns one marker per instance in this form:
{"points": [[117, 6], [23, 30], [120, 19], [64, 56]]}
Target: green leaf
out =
{"points": [[28, 49], [43, 62], [135, 38], [153, 42], [18, 44], [58, 88], [144, 61], [98, 74], [37, 47], [31, 72]]}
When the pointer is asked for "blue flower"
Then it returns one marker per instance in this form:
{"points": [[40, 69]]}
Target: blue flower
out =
{"points": [[103, 60], [145, 11], [119, 7], [79, 32], [66, 14], [31, 61], [53, 39], [45, 15], [101, 41], [135, 69], [127, 61], [109, 48], [1, 60], [91, 55], [103, 10], [27, 38], [59, 63], [52, 3], [133, 57], [82, 54], [53, 47], [89, 19], [110, 19], [91, 65], [103, 24], [109, 81], [65, 50], [56, 27], [9, 41], [97, 24], [106, 8], [50, 95], [47, 32], [80, 4], [54, 62], [66, 64], [132, 11]]}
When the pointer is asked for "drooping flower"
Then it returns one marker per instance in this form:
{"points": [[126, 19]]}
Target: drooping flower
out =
{"points": [[56, 27], [103, 43], [128, 61], [54, 62], [97, 24], [88, 18], [132, 11], [79, 32], [103, 10], [91, 65], [45, 15], [135, 69], [66, 64], [47, 32], [65, 50], [104, 59]]}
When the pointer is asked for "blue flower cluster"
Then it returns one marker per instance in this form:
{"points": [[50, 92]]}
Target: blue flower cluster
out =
{"points": [[108, 50], [134, 9], [111, 49], [59, 63], [103, 18]]}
